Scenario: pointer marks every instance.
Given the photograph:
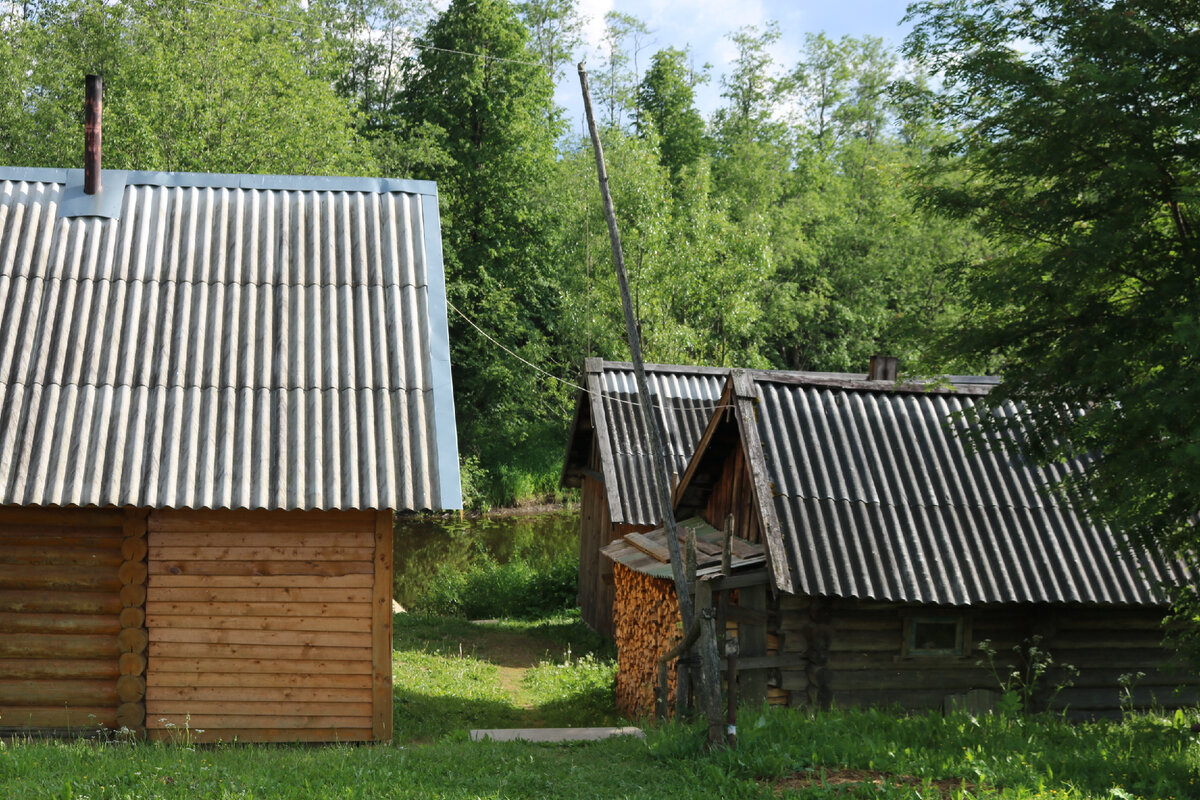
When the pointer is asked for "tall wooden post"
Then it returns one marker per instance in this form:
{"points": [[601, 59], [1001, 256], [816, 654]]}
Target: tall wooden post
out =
{"points": [[709, 661]]}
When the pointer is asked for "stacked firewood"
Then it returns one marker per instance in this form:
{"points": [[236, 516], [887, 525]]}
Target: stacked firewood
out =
{"points": [[647, 624]]}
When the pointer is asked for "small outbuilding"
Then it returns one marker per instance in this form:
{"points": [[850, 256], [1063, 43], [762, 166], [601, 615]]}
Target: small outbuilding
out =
{"points": [[894, 551], [214, 392]]}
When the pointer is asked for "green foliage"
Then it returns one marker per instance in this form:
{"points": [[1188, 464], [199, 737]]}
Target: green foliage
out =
{"points": [[1076, 149], [666, 101], [1021, 683], [513, 589], [497, 131], [187, 87]]}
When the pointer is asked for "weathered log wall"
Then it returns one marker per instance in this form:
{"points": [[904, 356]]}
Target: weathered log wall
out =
{"points": [[61, 624], [596, 580], [269, 626], [855, 656]]}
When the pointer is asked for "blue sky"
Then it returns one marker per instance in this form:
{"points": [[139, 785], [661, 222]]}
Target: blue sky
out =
{"points": [[704, 25]]}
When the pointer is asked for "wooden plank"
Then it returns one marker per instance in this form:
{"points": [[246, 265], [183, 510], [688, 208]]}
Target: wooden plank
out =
{"points": [[60, 602], [351, 610], [57, 693], [294, 680], [776, 661], [46, 553], [215, 709], [357, 581], [233, 721], [273, 666], [260, 521], [237, 636], [649, 547], [260, 651], [155, 620], [61, 517], [63, 646], [278, 553], [348, 538], [98, 538], [215, 735], [260, 694], [381, 630], [71, 578], [59, 623], [326, 568], [741, 580], [282, 594], [74, 717]]}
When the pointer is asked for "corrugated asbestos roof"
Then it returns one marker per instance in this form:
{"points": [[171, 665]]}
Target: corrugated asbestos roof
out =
{"points": [[223, 341], [684, 399], [877, 498]]}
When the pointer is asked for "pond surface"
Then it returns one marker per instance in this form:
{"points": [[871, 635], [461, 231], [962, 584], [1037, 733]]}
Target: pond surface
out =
{"points": [[426, 543]]}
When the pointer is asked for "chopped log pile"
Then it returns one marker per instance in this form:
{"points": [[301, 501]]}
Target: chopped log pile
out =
{"points": [[646, 624]]}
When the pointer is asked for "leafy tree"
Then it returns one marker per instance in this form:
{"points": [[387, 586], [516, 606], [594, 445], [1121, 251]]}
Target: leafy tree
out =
{"points": [[615, 83], [666, 99], [497, 135], [188, 87], [1078, 133], [555, 31]]}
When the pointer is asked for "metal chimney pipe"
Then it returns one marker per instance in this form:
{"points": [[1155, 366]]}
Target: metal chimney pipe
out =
{"points": [[92, 113], [883, 368]]}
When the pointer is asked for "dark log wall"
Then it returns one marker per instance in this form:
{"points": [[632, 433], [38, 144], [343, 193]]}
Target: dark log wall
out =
{"points": [[855, 656], [61, 620], [596, 592]]}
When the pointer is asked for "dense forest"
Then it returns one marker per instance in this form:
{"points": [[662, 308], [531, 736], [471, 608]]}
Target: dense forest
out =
{"points": [[782, 231]]}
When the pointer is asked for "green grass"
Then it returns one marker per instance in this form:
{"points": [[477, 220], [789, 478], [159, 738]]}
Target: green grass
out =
{"points": [[452, 675]]}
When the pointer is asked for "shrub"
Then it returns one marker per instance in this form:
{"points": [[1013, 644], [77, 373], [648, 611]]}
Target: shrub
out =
{"points": [[516, 589]]}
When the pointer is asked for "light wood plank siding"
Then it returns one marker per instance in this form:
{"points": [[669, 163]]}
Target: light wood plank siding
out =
{"points": [[60, 618], [269, 626]]}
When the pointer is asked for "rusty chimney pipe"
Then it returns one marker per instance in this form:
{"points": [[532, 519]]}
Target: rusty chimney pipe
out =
{"points": [[883, 368], [92, 112]]}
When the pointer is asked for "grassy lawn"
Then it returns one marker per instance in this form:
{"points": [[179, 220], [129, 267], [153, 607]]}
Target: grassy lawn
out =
{"points": [[453, 675]]}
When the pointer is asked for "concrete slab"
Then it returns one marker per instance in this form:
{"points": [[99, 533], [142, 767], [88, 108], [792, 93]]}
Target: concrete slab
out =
{"points": [[553, 734]]}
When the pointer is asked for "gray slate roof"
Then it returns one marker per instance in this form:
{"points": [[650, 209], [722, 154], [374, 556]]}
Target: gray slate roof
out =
{"points": [[878, 498], [684, 398], [223, 341]]}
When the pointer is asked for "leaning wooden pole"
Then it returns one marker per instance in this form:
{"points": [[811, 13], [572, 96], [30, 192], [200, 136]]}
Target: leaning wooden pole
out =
{"points": [[709, 663]]}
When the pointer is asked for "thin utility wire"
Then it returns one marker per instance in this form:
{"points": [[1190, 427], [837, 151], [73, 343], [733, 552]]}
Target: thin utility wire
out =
{"points": [[538, 369], [412, 39]]}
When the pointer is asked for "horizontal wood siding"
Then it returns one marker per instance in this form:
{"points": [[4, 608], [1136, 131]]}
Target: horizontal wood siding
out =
{"points": [[263, 626], [854, 656], [60, 620]]}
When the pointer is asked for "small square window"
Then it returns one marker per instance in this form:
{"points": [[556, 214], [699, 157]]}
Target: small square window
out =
{"points": [[935, 636]]}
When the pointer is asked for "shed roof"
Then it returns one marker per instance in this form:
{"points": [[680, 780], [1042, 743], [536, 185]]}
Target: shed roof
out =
{"points": [[223, 341], [876, 496]]}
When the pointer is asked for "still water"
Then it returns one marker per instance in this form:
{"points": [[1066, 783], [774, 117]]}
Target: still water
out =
{"points": [[424, 543]]}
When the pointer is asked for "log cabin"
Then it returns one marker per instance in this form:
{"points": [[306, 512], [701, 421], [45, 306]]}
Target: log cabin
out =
{"points": [[898, 557], [215, 390]]}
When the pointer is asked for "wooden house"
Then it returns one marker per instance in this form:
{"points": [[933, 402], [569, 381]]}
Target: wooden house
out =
{"points": [[214, 392], [895, 551]]}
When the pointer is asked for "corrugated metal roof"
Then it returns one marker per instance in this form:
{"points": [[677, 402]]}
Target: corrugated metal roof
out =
{"points": [[224, 342], [878, 498], [684, 399]]}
